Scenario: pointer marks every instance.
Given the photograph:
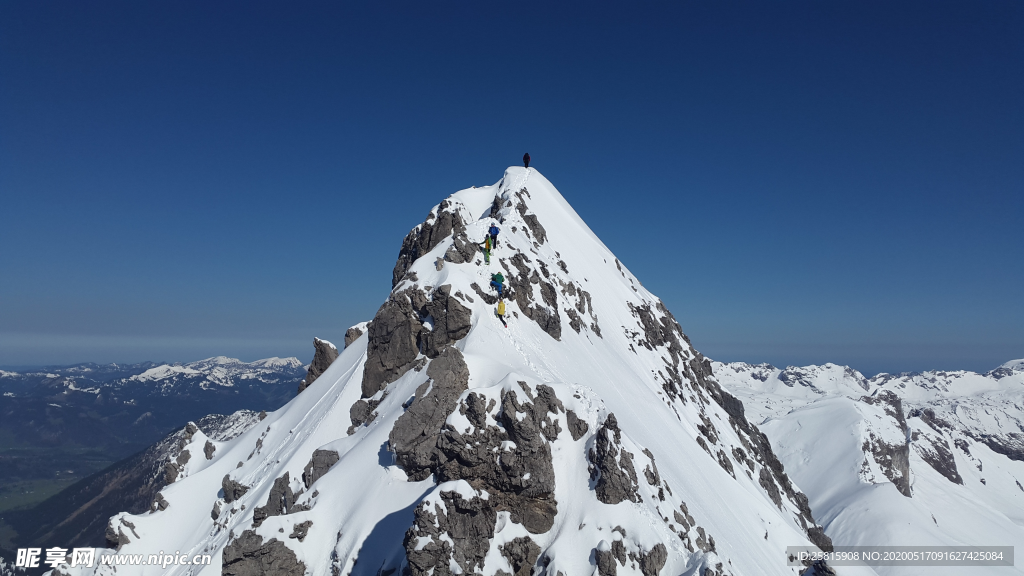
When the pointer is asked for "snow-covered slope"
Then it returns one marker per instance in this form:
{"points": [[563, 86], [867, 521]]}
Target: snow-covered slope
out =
{"points": [[933, 458], [586, 437]]}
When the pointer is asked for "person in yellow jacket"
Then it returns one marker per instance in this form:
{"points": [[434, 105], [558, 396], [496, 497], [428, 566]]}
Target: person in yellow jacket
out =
{"points": [[501, 312]]}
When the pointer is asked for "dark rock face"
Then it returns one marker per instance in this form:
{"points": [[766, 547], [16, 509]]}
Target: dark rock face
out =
{"points": [[425, 237], [414, 437], [521, 554], [452, 321], [612, 466], [577, 426], [520, 480], [280, 501], [469, 524], [520, 289], [173, 468], [351, 335], [248, 555], [115, 534], [300, 530], [362, 412], [319, 464], [650, 562], [392, 346], [654, 560], [893, 459], [324, 354], [397, 334], [209, 449], [530, 220], [1010, 445], [934, 450], [232, 489]]}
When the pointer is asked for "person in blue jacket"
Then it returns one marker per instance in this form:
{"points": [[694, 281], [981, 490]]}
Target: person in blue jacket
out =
{"points": [[493, 231]]}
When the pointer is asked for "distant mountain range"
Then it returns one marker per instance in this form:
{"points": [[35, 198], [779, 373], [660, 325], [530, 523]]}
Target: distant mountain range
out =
{"points": [[61, 424]]}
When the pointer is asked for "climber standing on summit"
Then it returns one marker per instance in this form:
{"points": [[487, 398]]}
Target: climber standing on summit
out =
{"points": [[526, 159], [493, 232]]}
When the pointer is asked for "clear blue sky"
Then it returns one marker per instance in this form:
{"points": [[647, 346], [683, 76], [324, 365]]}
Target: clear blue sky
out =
{"points": [[801, 182]]}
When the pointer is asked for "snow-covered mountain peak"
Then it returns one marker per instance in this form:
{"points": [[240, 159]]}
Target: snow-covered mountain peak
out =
{"points": [[586, 436]]}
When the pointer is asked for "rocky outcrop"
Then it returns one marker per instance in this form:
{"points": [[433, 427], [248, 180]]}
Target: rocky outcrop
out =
{"points": [[611, 466], [577, 426], [414, 436], [425, 237], [115, 532], [392, 344], [531, 221], [520, 289], [248, 555], [363, 412], [354, 332], [397, 333], [232, 490], [451, 321], [319, 464], [506, 451], [610, 556], [281, 501], [324, 354], [467, 527], [300, 530], [934, 450], [521, 554], [892, 458]]}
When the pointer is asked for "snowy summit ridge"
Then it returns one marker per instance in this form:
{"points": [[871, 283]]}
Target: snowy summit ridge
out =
{"points": [[586, 437]]}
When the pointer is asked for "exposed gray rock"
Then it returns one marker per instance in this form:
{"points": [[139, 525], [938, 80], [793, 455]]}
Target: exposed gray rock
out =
{"points": [[469, 524], [531, 221], [486, 297], [159, 503], [934, 450], [605, 562], [318, 465], [893, 459], [1010, 445], [247, 555], [577, 426], [172, 469], [209, 449], [351, 335], [324, 354], [362, 412], [393, 340], [232, 489], [612, 466], [280, 501], [768, 483], [521, 554], [654, 560], [300, 530], [425, 237], [519, 288], [115, 534], [452, 321], [414, 436]]}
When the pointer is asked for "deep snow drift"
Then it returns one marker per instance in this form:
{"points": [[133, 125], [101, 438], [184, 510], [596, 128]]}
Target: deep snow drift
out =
{"points": [[587, 437]]}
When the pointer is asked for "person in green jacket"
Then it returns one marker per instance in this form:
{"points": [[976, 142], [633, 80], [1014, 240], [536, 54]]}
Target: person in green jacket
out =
{"points": [[498, 281]]}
